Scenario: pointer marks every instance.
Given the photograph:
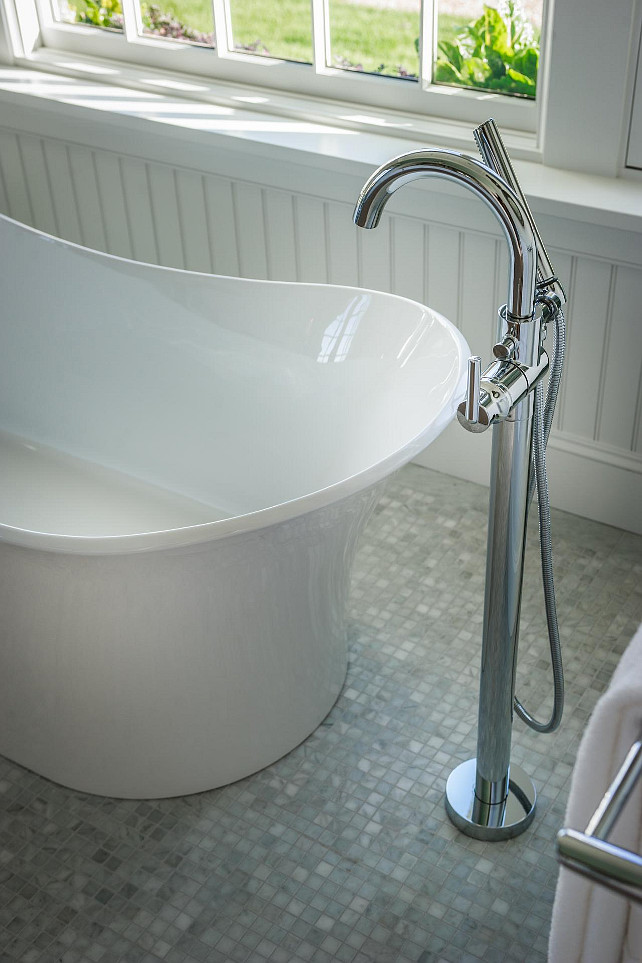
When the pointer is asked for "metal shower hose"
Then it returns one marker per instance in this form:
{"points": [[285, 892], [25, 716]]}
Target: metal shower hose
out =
{"points": [[542, 420]]}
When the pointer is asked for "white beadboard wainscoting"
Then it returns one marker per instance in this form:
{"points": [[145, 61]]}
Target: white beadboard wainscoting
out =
{"points": [[164, 195]]}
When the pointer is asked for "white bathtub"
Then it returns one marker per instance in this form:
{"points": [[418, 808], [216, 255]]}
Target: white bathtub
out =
{"points": [[186, 462]]}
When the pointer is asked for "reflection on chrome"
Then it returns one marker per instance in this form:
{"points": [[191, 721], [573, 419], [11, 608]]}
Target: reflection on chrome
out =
{"points": [[252, 100]]}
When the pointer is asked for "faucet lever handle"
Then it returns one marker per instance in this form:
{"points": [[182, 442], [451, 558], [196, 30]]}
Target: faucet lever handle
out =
{"points": [[473, 390]]}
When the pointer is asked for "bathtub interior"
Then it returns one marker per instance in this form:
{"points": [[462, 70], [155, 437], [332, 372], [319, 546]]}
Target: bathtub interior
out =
{"points": [[173, 398]]}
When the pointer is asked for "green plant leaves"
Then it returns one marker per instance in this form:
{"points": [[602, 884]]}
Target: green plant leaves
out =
{"points": [[106, 13], [527, 63], [494, 52], [491, 32], [446, 73], [495, 61], [453, 55]]}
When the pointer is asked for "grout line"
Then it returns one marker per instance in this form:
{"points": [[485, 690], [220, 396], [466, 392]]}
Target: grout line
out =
{"points": [[119, 161], [601, 387], [101, 205], [425, 238], [461, 248], [150, 198], [235, 217], [74, 194], [26, 181], [560, 407], [326, 239], [208, 228], [636, 435], [179, 215], [269, 267], [295, 234]]}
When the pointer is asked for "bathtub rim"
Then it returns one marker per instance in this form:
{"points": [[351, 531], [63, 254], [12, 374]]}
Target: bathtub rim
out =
{"points": [[184, 536]]}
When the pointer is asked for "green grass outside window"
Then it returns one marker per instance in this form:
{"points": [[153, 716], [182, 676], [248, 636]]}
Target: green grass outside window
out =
{"points": [[483, 54]]}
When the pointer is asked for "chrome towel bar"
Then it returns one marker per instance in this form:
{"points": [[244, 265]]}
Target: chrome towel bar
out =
{"points": [[590, 854]]}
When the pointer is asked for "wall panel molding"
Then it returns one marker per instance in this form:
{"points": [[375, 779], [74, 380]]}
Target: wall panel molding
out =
{"points": [[288, 222]]}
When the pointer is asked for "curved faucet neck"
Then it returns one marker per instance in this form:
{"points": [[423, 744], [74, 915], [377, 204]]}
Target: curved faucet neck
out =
{"points": [[502, 200]]}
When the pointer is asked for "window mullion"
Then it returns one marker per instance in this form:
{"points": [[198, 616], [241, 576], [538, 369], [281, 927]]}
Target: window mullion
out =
{"points": [[133, 25], [321, 34], [43, 11], [24, 24], [222, 27], [427, 41]]}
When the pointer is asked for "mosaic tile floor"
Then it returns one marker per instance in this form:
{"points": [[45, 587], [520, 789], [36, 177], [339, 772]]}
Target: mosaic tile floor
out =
{"points": [[342, 850]]}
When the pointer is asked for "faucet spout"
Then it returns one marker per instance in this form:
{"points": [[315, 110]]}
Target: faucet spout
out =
{"points": [[502, 200]]}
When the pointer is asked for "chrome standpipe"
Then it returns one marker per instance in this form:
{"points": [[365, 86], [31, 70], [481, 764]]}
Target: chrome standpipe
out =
{"points": [[487, 797]]}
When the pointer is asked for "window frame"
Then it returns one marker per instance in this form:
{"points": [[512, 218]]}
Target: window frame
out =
{"points": [[586, 115], [580, 120], [315, 81], [634, 142]]}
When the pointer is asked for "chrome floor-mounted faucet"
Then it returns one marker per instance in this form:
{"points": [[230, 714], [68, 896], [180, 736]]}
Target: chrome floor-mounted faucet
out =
{"points": [[487, 797]]}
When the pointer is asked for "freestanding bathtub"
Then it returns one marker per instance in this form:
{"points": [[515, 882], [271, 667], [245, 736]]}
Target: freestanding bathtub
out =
{"points": [[186, 462]]}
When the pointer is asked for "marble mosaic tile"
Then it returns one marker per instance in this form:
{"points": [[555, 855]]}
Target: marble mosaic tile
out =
{"points": [[342, 850]]}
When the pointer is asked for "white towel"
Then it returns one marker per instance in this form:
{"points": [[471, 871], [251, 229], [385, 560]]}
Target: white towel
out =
{"points": [[590, 923]]}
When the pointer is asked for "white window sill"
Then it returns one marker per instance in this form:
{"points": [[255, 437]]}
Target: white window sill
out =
{"points": [[331, 137]]}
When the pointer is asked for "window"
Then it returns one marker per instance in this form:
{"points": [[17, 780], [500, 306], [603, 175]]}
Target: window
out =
{"points": [[580, 118], [468, 43], [439, 57]]}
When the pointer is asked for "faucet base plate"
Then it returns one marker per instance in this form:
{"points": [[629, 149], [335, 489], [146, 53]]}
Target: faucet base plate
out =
{"points": [[489, 822]]}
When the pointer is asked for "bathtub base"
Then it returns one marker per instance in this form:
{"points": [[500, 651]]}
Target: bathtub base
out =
{"points": [[185, 463], [165, 673]]}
